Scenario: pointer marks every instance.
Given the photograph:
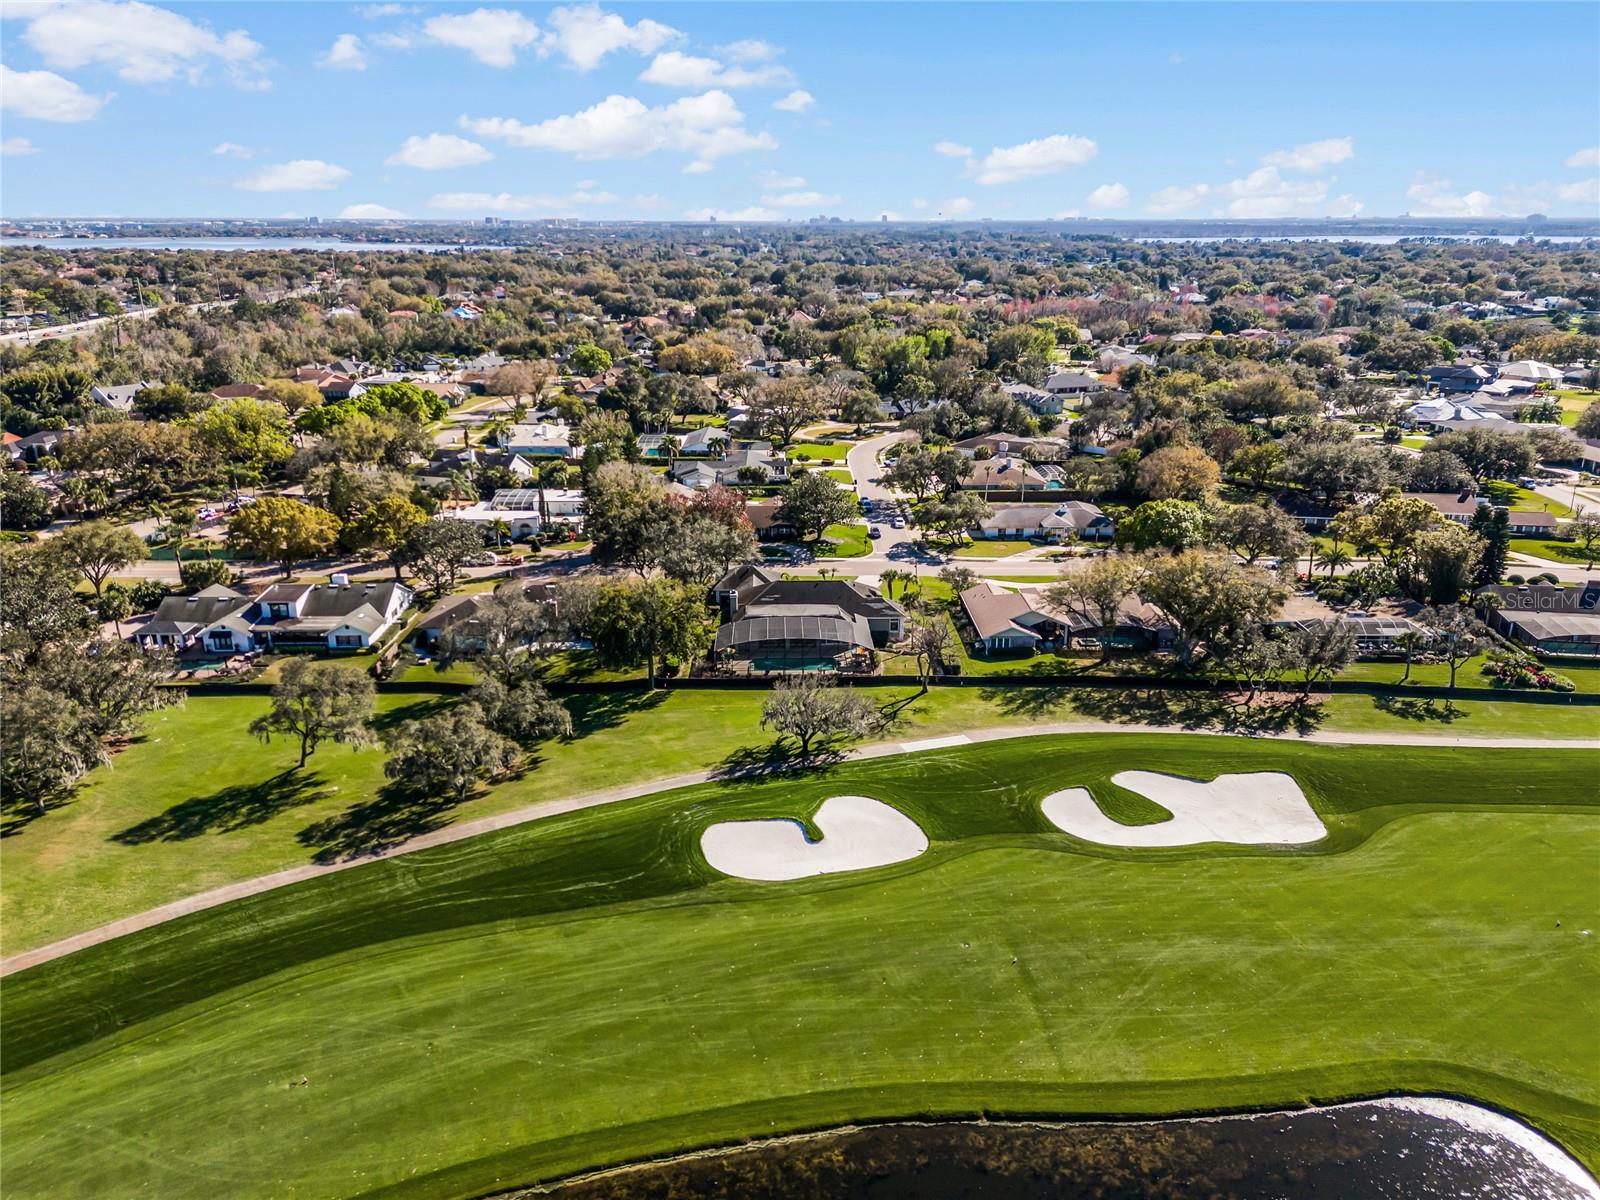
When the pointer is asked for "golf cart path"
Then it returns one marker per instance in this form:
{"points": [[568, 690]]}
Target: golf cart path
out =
{"points": [[550, 808]]}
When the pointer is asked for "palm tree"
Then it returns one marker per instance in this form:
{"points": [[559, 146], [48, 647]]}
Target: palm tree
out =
{"points": [[1410, 641], [892, 576], [1334, 558], [460, 485], [501, 530], [669, 448]]}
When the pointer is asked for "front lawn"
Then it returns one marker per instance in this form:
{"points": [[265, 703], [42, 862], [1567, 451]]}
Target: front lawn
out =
{"points": [[993, 548], [842, 541], [1553, 549], [819, 451], [586, 990], [1515, 496]]}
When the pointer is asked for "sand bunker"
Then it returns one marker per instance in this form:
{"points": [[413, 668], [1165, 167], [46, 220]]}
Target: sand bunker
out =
{"points": [[857, 833], [1263, 808]]}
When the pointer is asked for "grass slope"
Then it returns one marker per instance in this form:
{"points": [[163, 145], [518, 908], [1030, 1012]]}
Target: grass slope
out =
{"points": [[586, 990], [197, 803]]}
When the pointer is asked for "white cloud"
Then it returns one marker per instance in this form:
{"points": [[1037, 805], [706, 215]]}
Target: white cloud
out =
{"points": [[301, 175], [1312, 156], [952, 149], [691, 72], [491, 35], [1586, 191], [1027, 160], [571, 204], [390, 40], [1264, 193], [781, 183], [438, 152], [796, 101], [345, 54], [142, 43], [750, 50], [1169, 200], [376, 12], [706, 127], [1585, 158], [801, 200], [231, 150], [17, 147], [1176, 59], [46, 96], [369, 212], [583, 35], [752, 213], [1435, 197], [955, 206], [919, 202], [1109, 195], [1067, 215]]}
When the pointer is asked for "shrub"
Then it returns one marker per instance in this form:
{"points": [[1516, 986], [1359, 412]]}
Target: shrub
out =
{"points": [[1516, 669], [1516, 579], [147, 594], [205, 573]]}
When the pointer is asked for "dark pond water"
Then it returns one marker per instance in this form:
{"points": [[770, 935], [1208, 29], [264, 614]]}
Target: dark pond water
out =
{"points": [[1422, 1150]]}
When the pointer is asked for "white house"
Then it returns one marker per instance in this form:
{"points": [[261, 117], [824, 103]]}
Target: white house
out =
{"points": [[545, 439], [519, 509], [285, 617]]}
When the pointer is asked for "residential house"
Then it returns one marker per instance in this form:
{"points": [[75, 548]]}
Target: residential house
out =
{"points": [[180, 620], [544, 439], [1460, 377], [519, 509], [119, 397], [1442, 416], [341, 387], [1049, 522], [1004, 474], [1550, 619], [237, 391], [35, 446], [733, 590], [1452, 506], [767, 524], [1073, 384], [1001, 621], [1527, 523], [460, 613], [745, 461], [807, 624], [1040, 401], [337, 617], [1114, 358]]}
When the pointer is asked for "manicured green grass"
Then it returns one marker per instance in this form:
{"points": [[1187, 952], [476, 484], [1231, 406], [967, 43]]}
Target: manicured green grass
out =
{"points": [[1515, 496], [197, 803], [820, 451], [843, 541], [995, 548], [838, 474], [585, 990], [1550, 548]]}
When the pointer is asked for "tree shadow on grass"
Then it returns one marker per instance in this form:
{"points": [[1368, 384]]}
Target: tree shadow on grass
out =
{"points": [[399, 812], [779, 759], [232, 808], [388, 720], [594, 711], [1155, 706], [1411, 708]]}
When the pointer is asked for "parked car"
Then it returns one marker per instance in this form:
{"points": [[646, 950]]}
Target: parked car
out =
{"points": [[898, 523], [874, 532]]}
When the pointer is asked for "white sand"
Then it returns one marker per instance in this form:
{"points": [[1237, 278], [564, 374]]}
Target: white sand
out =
{"points": [[857, 833], [1263, 808]]}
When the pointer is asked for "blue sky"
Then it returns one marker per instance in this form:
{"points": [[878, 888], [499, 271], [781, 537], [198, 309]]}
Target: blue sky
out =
{"points": [[789, 110]]}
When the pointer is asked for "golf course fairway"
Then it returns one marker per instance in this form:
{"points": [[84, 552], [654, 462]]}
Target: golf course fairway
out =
{"points": [[585, 990]]}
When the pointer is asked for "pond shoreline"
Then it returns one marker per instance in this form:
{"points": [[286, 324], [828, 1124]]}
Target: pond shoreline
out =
{"points": [[1566, 1176]]}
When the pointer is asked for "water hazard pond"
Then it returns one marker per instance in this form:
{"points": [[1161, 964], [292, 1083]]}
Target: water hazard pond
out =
{"points": [[1396, 1150]]}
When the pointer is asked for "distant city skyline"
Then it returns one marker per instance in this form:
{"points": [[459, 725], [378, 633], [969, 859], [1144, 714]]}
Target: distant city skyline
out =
{"points": [[771, 112]]}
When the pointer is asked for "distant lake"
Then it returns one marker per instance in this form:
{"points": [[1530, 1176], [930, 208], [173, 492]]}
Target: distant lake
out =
{"points": [[232, 243], [1380, 1150]]}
